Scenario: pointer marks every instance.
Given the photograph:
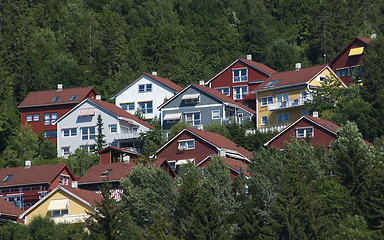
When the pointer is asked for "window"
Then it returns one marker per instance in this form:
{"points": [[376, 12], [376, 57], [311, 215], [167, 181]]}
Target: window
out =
{"points": [[240, 75], [145, 88], [224, 91], [304, 112], [64, 179], [172, 164], [89, 148], [146, 107], [36, 117], [192, 118], [272, 83], [106, 172], [42, 194], [238, 92], [50, 133], [69, 132], [216, 114], [266, 100], [47, 134], [29, 117], [282, 97], [65, 151], [54, 134], [357, 72], [16, 200], [304, 132], [7, 178], [343, 72], [55, 99], [264, 120], [73, 98], [128, 106], [282, 117], [303, 95], [88, 133], [113, 128], [186, 144], [56, 213], [50, 118]]}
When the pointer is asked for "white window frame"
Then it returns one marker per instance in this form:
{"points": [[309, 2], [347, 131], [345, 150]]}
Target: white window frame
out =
{"points": [[215, 114], [305, 132], [268, 100], [36, 117], [59, 213], [89, 148], [88, 134], [129, 106], [187, 144], [193, 121], [282, 97], [113, 128], [222, 90], [64, 152], [64, 179], [71, 132], [241, 77], [284, 117], [146, 109], [147, 87], [29, 118], [264, 120], [241, 92]]}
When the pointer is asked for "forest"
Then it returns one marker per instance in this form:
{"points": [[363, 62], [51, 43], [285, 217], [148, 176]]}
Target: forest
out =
{"points": [[300, 193]]}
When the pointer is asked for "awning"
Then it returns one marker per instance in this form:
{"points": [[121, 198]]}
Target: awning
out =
{"points": [[356, 51], [184, 161], [190, 96], [86, 112], [172, 116], [58, 204]]}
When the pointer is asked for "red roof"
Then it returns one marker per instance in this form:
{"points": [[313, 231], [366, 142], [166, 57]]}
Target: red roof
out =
{"points": [[116, 172], [362, 39], [116, 149], [120, 112], [259, 66], [8, 208], [237, 166], [32, 175], [292, 77], [164, 81], [89, 196], [44, 98]]}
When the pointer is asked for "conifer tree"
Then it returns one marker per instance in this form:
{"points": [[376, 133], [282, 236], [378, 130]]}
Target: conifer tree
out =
{"points": [[100, 137]]}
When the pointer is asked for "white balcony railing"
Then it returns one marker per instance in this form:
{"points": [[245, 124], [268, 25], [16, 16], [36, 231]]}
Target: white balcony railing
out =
{"points": [[273, 128], [228, 120], [130, 135], [288, 104]]}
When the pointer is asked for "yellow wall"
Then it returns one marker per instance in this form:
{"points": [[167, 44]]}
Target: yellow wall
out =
{"points": [[294, 112], [74, 206]]}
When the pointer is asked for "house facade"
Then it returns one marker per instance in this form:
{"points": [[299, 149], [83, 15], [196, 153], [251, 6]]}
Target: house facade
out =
{"points": [[347, 63], [24, 186], [199, 105], [113, 154], [281, 98], [42, 108], [239, 79], [146, 94], [78, 127], [64, 205], [193, 145]]}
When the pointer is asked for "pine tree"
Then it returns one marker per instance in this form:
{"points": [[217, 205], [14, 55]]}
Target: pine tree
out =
{"points": [[100, 137]]}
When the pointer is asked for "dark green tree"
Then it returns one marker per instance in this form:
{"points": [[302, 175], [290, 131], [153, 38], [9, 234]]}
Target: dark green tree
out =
{"points": [[100, 136]]}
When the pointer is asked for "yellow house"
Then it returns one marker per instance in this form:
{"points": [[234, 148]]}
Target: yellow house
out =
{"points": [[280, 98], [64, 205]]}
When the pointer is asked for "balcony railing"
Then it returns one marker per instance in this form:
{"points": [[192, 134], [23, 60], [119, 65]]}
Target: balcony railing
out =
{"points": [[288, 104], [273, 128], [129, 135], [228, 120]]}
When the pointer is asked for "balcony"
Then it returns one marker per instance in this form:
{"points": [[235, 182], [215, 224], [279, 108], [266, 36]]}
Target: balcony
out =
{"points": [[127, 135], [240, 120], [272, 128], [288, 104]]}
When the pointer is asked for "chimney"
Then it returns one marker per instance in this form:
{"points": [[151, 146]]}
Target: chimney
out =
{"points": [[28, 164], [59, 87], [315, 114], [74, 184], [249, 57], [154, 73], [98, 97], [222, 153], [297, 66], [202, 83], [373, 35]]}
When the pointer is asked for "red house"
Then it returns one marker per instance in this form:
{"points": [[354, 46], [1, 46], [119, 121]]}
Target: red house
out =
{"points": [[112, 154], [9, 212], [240, 78], [347, 63], [42, 108], [321, 132], [193, 145], [24, 186]]}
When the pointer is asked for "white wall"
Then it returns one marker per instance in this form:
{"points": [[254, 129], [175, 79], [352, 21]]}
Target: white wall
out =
{"points": [[158, 94]]}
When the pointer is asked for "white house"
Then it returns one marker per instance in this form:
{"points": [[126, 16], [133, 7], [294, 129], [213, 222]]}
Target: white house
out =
{"points": [[78, 127], [146, 93]]}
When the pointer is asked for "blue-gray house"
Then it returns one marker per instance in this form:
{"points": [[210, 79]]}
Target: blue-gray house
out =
{"points": [[200, 106]]}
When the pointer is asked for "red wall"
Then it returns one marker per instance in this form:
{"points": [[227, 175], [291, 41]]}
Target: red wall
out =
{"points": [[321, 136], [225, 79], [56, 181], [201, 151]]}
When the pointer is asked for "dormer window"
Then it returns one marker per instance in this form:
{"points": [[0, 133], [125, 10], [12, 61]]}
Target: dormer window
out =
{"points": [[240, 75], [304, 132], [64, 179], [55, 99], [342, 72]]}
